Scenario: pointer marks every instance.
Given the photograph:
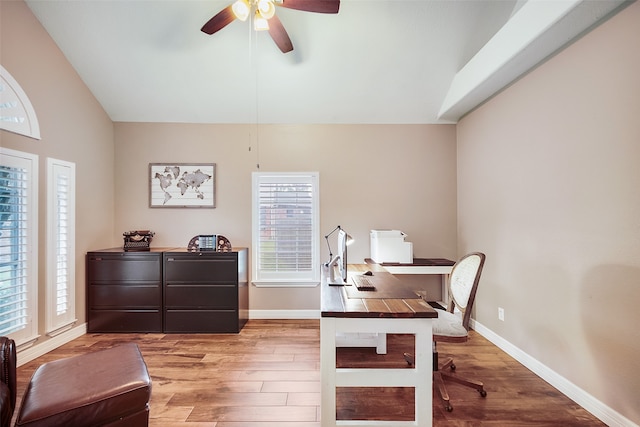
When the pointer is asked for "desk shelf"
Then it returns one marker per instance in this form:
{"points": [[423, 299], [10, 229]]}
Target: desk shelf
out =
{"points": [[422, 266]]}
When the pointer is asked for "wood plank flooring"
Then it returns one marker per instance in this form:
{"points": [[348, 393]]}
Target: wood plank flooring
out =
{"points": [[268, 376]]}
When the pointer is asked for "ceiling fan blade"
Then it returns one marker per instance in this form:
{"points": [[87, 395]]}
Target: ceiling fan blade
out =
{"points": [[279, 34], [219, 21], [318, 6]]}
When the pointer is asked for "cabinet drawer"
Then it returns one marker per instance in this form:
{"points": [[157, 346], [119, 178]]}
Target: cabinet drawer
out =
{"points": [[127, 295], [125, 321], [194, 268], [129, 267], [201, 321], [200, 296]]}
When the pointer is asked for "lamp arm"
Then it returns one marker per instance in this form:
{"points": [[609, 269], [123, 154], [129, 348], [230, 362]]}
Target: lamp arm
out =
{"points": [[329, 246]]}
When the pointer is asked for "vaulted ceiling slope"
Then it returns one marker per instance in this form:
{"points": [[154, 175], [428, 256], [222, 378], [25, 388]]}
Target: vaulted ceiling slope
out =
{"points": [[376, 61]]}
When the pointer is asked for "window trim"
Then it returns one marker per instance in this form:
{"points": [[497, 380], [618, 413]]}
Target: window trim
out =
{"points": [[311, 279], [58, 323], [27, 335]]}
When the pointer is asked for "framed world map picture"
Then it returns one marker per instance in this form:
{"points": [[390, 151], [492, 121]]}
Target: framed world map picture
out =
{"points": [[182, 185]]}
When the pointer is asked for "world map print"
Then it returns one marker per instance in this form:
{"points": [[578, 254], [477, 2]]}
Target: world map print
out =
{"points": [[182, 185]]}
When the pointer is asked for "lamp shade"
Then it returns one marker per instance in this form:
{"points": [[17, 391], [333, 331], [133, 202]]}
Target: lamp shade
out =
{"points": [[259, 22], [241, 9], [267, 8], [350, 240]]}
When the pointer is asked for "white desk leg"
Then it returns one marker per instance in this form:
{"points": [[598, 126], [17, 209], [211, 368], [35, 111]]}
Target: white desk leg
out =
{"points": [[381, 343], [423, 366], [445, 289], [328, 372]]}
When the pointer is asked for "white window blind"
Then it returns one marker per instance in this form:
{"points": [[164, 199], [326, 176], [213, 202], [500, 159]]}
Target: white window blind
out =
{"points": [[18, 245], [285, 229], [61, 246]]}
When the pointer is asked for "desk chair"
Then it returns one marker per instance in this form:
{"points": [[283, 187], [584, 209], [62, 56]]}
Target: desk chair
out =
{"points": [[454, 327]]}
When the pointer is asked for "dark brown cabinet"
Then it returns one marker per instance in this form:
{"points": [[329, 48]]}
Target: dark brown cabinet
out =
{"points": [[167, 290], [205, 291], [124, 291]]}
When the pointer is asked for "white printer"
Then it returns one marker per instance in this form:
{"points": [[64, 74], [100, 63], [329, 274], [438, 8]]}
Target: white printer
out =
{"points": [[388, 246]]}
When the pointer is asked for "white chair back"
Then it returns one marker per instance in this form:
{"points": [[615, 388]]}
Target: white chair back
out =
{"points": [[463, 283]]}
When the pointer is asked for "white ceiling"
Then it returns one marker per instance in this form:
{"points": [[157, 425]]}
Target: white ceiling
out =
{"points": [[376, 61]]}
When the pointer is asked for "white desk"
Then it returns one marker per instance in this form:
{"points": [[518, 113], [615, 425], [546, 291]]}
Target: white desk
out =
{"points": [[394, 309], [421, 266]]}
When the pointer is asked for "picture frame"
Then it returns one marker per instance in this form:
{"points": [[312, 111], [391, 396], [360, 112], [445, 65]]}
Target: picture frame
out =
{"points": [[182, 185]]}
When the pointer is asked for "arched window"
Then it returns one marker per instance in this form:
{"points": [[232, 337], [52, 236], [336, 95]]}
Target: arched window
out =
{"points": [[16, 112]]}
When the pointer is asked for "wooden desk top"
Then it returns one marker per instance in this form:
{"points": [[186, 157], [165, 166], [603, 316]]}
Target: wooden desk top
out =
{"points": [[392, 298]]}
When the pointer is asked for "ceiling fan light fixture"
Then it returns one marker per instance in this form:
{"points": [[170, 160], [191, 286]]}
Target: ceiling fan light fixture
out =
{"points": [[241, 9], [259, 22], [267, 8], [263, 11]]}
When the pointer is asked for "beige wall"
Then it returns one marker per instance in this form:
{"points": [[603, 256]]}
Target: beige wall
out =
{"points": [[549, 188], [363, 185], [73, 127]]}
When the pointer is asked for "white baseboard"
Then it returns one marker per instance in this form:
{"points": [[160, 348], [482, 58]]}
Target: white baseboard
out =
{"points": [[603, 412], [37, 350], [284, 314]]}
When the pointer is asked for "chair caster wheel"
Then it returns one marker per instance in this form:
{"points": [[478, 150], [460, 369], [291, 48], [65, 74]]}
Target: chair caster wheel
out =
{"points": [[483, 393], [448, 408]]}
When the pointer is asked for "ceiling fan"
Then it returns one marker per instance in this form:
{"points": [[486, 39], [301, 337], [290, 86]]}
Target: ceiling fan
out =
{"points": [[264, 17]]}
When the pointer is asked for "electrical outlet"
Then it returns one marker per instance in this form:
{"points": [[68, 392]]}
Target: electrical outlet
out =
{"points": [[501, 313]]}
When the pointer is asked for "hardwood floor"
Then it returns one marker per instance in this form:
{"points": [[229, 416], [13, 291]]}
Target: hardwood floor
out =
{"points": [[268, 376]]}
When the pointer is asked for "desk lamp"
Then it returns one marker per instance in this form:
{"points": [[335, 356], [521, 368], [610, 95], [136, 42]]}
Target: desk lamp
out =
{"points": [[340, 259]]}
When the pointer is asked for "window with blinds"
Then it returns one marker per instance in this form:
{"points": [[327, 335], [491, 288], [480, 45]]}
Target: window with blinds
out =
{"points": [[61, 246], [285, 229], [18, 245]]}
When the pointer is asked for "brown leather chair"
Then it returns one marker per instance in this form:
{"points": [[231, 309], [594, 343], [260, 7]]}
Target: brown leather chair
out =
{"points": [[108, 388], [452, 325], [7, 380]]}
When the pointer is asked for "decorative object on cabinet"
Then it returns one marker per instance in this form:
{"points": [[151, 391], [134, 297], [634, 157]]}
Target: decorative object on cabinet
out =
{"points": [[182, 185], [209, 242], [223, 245], [137, 240]]}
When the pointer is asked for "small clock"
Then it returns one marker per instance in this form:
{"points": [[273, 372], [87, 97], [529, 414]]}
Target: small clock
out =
{"points": [[209, 242]]}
